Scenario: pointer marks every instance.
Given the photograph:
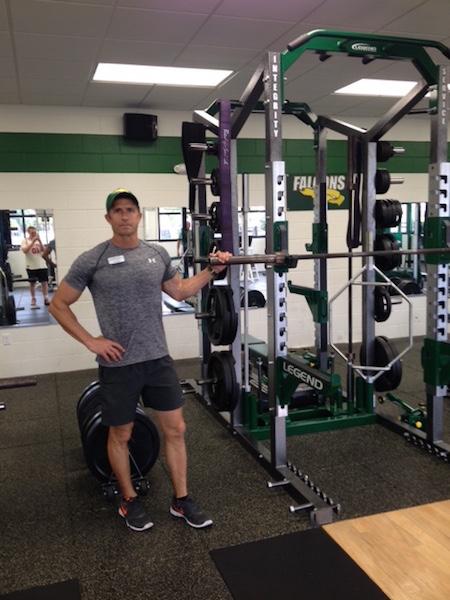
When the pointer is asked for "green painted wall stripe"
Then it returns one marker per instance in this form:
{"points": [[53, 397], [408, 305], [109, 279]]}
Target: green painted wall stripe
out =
{"points": [[85, 153]]}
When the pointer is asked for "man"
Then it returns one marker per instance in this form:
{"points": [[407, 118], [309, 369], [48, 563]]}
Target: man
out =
{"points": [[35, 264], [125, 277]]}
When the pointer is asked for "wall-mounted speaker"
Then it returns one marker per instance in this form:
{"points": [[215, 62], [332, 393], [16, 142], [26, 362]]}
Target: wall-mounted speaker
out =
{"points": [[139, 127]]}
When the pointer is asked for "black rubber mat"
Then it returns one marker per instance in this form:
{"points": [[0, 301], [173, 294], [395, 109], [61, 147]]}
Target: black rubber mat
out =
{"points": [[64, 590], [302, 565]]}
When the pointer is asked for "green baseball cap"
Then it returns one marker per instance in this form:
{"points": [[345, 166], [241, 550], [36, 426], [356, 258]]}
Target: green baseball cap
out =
{"points": [[120, 193]]}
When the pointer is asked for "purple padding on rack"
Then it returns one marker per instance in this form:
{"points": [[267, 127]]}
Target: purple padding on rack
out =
{"points": [[225, 176]]}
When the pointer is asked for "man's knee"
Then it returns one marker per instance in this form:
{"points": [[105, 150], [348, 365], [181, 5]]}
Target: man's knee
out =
{"points": [[175, 429], [120, 434]]}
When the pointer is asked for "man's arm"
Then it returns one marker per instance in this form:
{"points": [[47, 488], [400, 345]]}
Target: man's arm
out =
{"points": [[46, 256], [26, 246], [180, 289], [60, 310]]}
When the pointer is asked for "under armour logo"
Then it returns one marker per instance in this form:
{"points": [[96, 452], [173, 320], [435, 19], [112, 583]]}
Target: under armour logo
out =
{"points": [[152, 260]]}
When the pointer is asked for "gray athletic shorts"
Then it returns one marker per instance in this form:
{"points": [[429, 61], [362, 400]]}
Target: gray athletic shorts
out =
{"points": [[121, 387]]}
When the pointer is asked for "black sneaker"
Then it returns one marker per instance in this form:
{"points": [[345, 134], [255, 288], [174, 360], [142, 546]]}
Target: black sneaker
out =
{"points": [[134, 514], [190, 512]]}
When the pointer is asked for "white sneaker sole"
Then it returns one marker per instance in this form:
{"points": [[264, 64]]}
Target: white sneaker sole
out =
{"points": [[146, 526], [206, 523]]}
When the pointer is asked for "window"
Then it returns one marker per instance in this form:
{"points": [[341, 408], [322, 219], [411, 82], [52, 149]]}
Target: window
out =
{"points": [[162, 224], [170, 224], [256, 221], [165, 224]]}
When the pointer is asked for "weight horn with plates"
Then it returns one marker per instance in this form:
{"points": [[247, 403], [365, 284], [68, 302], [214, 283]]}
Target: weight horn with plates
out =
{"points": [[221, 382], [383, 181], [213, 181], [220, 316], [385, 151]]}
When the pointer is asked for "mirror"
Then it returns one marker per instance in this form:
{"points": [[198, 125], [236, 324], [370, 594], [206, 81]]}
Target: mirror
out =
{"points": [[28, 270]]}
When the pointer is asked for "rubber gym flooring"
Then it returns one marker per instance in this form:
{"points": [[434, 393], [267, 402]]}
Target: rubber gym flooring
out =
{"points": [[56, 526]]}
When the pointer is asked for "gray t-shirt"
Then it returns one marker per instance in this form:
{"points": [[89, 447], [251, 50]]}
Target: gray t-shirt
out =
{"points": [[126, 288]]}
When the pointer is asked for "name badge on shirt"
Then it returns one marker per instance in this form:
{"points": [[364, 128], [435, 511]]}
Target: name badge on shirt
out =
{"points": [[114, 260]]}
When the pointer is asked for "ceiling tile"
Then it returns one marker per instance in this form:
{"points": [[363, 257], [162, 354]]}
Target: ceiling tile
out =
{"points": [[108, 94], [8, 86], [369, 107], [430, 18], [240, 33], [214, 57], [54, 99], [3, 17], [234, 87], [9, 97], [7, 68], [326, 77], [281, 10], [96, 2], [139, 53], [59, 18], [279, 44], [29, 45], [32, 85], [5, 45], [154, 25], [397, 69], [194, 6], [58, 43], [174, 98], [334, 104], [63, 70], [354, 14]]}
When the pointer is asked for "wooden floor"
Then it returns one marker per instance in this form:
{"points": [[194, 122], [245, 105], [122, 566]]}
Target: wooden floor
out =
{"points": [[406, 552]]}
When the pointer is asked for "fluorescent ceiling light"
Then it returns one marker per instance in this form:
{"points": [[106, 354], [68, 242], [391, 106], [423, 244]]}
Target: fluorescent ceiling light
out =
{"points": [[378, 87], [145, 75]]}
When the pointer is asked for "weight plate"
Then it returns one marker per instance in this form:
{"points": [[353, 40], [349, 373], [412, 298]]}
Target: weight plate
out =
{"points": [[383, 304], [409, 287], [144, 446], [388, 213], [223, 387], [385, 151], [222, 323], [84, 393], [233, 314], [10, 312], [387, 243], [213, 248], [255, 298], [384, 352], [214, 222], [382, 181], [215, 182]]}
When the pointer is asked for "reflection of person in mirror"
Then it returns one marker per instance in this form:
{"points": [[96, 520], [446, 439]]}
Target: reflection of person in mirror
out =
{"points": [[184, 242], [49, 255], [36, 265], [125, 276]]}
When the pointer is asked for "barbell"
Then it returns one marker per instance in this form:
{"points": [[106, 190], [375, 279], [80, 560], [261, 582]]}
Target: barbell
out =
{"points": [[290, 261]]}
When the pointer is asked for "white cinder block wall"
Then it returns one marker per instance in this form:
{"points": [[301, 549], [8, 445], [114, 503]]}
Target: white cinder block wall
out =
{"points": [[78, 203]]}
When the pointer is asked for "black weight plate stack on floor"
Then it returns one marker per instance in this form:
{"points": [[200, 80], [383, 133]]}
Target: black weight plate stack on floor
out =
{"points": [[144, 444]]}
